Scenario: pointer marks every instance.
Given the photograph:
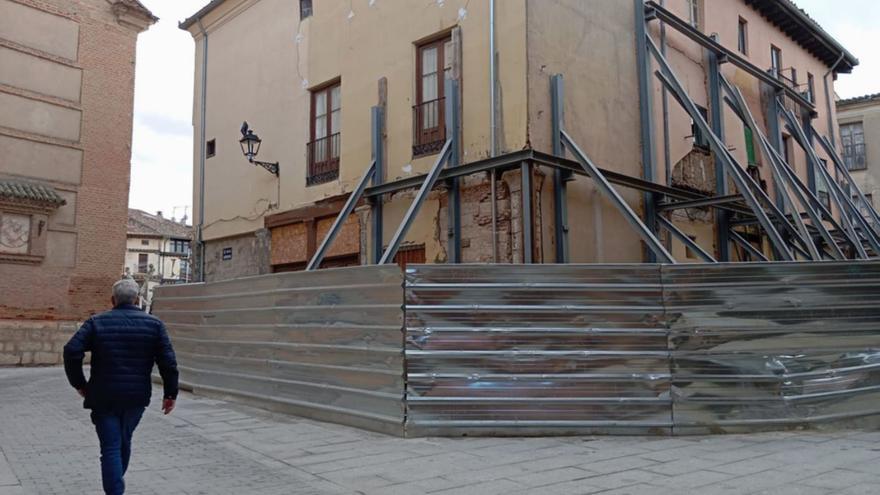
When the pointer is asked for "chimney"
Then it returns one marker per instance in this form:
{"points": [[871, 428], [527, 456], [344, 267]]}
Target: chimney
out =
{"points": [[159, 214]]}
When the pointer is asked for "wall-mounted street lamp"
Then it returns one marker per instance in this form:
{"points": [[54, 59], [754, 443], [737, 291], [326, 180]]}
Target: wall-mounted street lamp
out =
{"points": [[250, 146]]}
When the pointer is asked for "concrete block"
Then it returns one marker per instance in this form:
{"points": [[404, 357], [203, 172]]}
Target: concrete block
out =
{"points": [[46, 358], [9, 359]]}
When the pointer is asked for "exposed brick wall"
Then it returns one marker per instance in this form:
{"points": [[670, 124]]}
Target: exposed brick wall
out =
{"points": [[38, 304], [107, 57]]}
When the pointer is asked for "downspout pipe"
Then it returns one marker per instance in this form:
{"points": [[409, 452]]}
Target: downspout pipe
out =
{"points": [[493, 125], [828, 99], [203, 139]]}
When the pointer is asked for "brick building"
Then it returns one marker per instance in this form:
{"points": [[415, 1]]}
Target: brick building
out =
{"points": [[66, 100]]}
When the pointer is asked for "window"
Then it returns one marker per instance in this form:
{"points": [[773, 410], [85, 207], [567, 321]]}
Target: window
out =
{"points": [[145, 242], [211, 148], [700, 140], [184, 271], [775, 61], [750, 146], [143, 262], [434, 66], [323, 150], [694, 13], [852, 136], [305, 9], [786, 149], [743, 36], [179, 246], [811, 88]]}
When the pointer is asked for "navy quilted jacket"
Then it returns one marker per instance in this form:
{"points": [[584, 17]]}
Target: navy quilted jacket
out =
{"points": [[124, 342]]}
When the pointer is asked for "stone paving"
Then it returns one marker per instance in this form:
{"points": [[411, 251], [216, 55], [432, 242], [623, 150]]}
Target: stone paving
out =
{"points": [[48, 446]]}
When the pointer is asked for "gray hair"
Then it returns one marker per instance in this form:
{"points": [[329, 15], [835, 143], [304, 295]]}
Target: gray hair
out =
{"points": [[126, 291]]}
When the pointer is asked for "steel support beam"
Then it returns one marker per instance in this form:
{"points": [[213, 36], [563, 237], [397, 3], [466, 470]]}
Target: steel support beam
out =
{"points": [[429, 180], [527, 215], [728, 55], [782, 191], [716, 112], [687, 241], [350, 203], [643, 69], [743, 243], [654, 244], [667, 76], [835, 193], [712, 201], [842, 170], [453, 209], [560, 177], [377, 120]]}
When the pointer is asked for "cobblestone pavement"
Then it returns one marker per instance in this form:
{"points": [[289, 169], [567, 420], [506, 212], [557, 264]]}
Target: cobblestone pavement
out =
{"points": [[48, 446]]}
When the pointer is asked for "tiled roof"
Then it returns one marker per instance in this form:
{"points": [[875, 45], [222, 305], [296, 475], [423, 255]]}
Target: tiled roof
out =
{"points": [[803, 29], [143, 223], [17, 190], [859, 99]]}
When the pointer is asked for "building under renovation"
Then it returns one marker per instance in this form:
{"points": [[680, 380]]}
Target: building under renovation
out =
{"points": [[578, 131], [561, 180]]}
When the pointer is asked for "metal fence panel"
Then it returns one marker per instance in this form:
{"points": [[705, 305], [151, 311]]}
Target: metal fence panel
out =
{"points": [[326, 344], [766, 345], [536, 349]]}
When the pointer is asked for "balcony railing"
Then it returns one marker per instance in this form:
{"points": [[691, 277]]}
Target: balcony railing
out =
{"points": [[323, 155], [429, 127]]}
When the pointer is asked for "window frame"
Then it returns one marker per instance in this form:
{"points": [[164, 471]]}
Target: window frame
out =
{"points": [[143, 266], [776, 61], [330, 162], [429, 141], [811, 88], [210, 148], [742, 36], [306, 9], [848, 144]]}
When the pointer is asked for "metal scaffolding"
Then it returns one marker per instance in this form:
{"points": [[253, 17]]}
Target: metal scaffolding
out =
{"points": [[796, 224]]}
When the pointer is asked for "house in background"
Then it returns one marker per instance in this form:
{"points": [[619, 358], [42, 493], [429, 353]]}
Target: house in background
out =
{"points": [[158, 251], [859, 120], [66, 102]]}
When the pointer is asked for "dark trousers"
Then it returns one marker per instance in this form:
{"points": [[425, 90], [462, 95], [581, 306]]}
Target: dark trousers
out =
{"points": [[115, 429]]}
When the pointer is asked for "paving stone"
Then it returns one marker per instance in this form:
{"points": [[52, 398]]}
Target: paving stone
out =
{"points": [[48, 447]]}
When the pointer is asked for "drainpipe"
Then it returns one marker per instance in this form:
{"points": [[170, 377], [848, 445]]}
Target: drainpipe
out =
{"points": [[828, 100], [200, 243], [493, 109]]}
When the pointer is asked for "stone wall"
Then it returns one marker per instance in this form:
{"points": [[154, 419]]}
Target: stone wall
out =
{"points": [[34, 342], [249, 256]]}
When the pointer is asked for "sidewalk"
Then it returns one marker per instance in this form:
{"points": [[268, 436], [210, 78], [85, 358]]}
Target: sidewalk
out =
{"points": [[48, 446]]}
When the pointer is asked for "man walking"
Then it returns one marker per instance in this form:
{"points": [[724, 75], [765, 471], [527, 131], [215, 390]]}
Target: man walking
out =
{"points": [[124, 342]]}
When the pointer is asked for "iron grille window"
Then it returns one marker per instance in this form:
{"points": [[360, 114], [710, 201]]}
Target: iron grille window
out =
{"points": [[743, 36], [853, 138], [434, 66], [323, 150], [305, 9]]}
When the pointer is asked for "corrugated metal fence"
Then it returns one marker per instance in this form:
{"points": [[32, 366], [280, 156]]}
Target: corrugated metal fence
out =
{"points": [[326, 344], [541, 349]]}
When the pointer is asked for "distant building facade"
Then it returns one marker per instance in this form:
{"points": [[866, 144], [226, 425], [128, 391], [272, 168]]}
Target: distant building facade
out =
{"points": [[859, 142], [66, 103], [157, 252]]}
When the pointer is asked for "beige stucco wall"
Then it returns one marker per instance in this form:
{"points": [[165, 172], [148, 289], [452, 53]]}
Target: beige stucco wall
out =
{"points": [[869, 115], [37, 74], [266, 82]]}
